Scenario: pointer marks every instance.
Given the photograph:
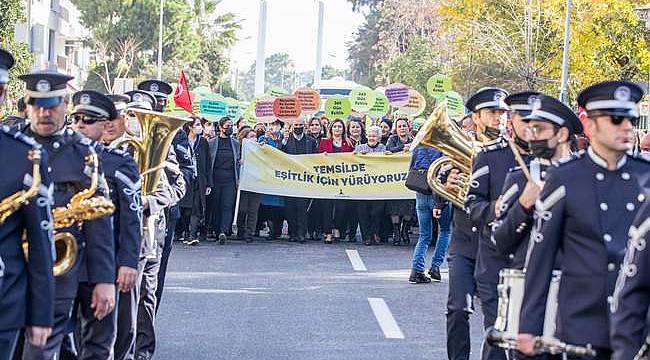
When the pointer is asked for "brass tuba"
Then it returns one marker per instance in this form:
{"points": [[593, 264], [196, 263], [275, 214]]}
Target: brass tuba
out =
{"points": [[157, 131], [83, 206], [440, 132], [12, 203]]}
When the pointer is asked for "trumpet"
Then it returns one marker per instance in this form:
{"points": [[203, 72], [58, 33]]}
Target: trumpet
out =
{"points": [[83, 206], [440, 132], [12, 203]]}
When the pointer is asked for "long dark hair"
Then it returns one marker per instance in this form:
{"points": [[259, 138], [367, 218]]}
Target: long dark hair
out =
{"points": [[362, 137]]}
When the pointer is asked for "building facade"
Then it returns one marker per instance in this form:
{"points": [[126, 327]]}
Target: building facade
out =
{"points": [[55, 36]]}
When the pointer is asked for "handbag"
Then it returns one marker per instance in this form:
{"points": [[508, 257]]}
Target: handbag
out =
{"points": [[417, 181]]}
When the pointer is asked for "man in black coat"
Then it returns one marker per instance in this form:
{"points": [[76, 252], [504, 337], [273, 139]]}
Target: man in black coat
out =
{"points": [[297, 143]]}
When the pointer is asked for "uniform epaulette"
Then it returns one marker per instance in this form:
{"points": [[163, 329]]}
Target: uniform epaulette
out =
{"points": [[20, 136]]}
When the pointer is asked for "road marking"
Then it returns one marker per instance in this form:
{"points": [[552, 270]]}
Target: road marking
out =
{"points": [[385, 319], [355, 260]]}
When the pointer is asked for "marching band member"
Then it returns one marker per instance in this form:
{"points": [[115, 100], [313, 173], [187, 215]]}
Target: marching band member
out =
{"points": [[95, 266], [26, 286], [552, 126], [462, 286], [127, 305], [91, 113], [585, 209], [181, 144], [489, 171]]}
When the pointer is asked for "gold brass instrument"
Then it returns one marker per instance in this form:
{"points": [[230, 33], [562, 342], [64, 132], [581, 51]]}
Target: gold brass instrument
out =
{"points": [[83, 206], [157, 131], [12, 203], [440, 132]]}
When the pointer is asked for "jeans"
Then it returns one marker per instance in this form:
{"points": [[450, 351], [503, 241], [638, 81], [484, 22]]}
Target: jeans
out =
{"points": [[424, 207]]}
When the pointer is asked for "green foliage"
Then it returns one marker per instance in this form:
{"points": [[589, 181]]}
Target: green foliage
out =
{"points": [[12, 11], [363, 52], [416, 66]]}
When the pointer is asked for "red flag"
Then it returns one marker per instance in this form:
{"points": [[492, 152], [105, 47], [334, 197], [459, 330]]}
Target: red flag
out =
{"points": [[182, 94]]}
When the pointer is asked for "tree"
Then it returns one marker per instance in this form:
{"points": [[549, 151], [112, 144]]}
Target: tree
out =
{"points": [[11, 12], [416, 66], [518, 45], [330, 72]]}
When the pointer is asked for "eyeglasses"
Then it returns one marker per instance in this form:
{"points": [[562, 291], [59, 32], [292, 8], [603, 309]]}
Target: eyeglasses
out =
{"points": [[86, 119], [618, 120]]}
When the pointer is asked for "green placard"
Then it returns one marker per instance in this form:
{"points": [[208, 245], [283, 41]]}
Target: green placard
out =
{"points": [[277, 91], [338, 107], [362, 99], [380, 107], [438, 84], [455, 105], [214, 108]]}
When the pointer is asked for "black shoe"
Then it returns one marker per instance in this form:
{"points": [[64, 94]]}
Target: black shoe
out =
{"points": [[248, 239], [302, 240], [191, 242], [222, 239], [434, 272], [418, 278], [292, 239], [406, 240]]}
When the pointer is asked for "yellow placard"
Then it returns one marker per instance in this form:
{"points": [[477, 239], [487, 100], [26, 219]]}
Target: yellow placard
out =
{"points": [[352, 176]]}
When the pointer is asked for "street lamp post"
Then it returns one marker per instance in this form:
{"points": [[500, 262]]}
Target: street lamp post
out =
{"points": [[261, 44], [319, 44], [565, 57], [160, 39]]}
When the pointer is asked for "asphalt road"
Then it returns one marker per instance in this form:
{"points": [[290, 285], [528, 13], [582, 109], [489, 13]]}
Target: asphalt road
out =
{"points": [[280, 300]]}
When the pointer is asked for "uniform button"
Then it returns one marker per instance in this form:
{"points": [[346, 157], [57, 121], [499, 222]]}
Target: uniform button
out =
{"points": [[56, 145], [625, 176], [611, 266], [511, 256], [610, 299], [603, 207], [629, 207], [600, 176], [473, 228], [607, 237], [641, 198], [49, 169]]}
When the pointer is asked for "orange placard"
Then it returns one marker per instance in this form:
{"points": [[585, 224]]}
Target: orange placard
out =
{"points": [[309, 100], [287, 108]]}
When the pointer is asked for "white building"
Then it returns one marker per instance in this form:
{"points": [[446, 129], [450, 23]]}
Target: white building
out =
{"points": [[55, 36]]}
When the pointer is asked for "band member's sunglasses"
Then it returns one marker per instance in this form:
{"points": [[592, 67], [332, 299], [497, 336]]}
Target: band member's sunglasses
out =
{"points": [[86, 119], [617, 120]]}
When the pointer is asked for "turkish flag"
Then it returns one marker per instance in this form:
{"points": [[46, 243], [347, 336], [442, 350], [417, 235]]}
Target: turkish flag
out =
{"points": [[182, 94]]}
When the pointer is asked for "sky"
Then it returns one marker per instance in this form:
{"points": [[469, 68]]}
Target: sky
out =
{"points": [[292, 27]]}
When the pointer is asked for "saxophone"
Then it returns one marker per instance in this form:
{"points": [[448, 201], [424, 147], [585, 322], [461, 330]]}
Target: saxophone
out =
{"points": [[12, 203], [83, 206]]}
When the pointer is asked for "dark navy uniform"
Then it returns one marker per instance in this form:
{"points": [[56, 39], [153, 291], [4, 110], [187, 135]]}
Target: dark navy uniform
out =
{"points": [[26, 287], [462, 286], [585, 210], [96, 255], [489, 170], [631, 298], [511, 230]]}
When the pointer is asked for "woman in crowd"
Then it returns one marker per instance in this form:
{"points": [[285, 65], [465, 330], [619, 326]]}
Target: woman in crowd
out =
{"points": [[356, 132], [315, 129], [369, 212], [225, 156], [400, 210], [193, 205], [249, 202], [334, 210], [386, 127], [325, 123]]}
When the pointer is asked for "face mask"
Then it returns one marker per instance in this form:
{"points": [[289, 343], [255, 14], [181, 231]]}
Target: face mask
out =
{"points": [[198, 130], [298, 131], [491, 133], [540, 149], [524, 145], [228, 131]]}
